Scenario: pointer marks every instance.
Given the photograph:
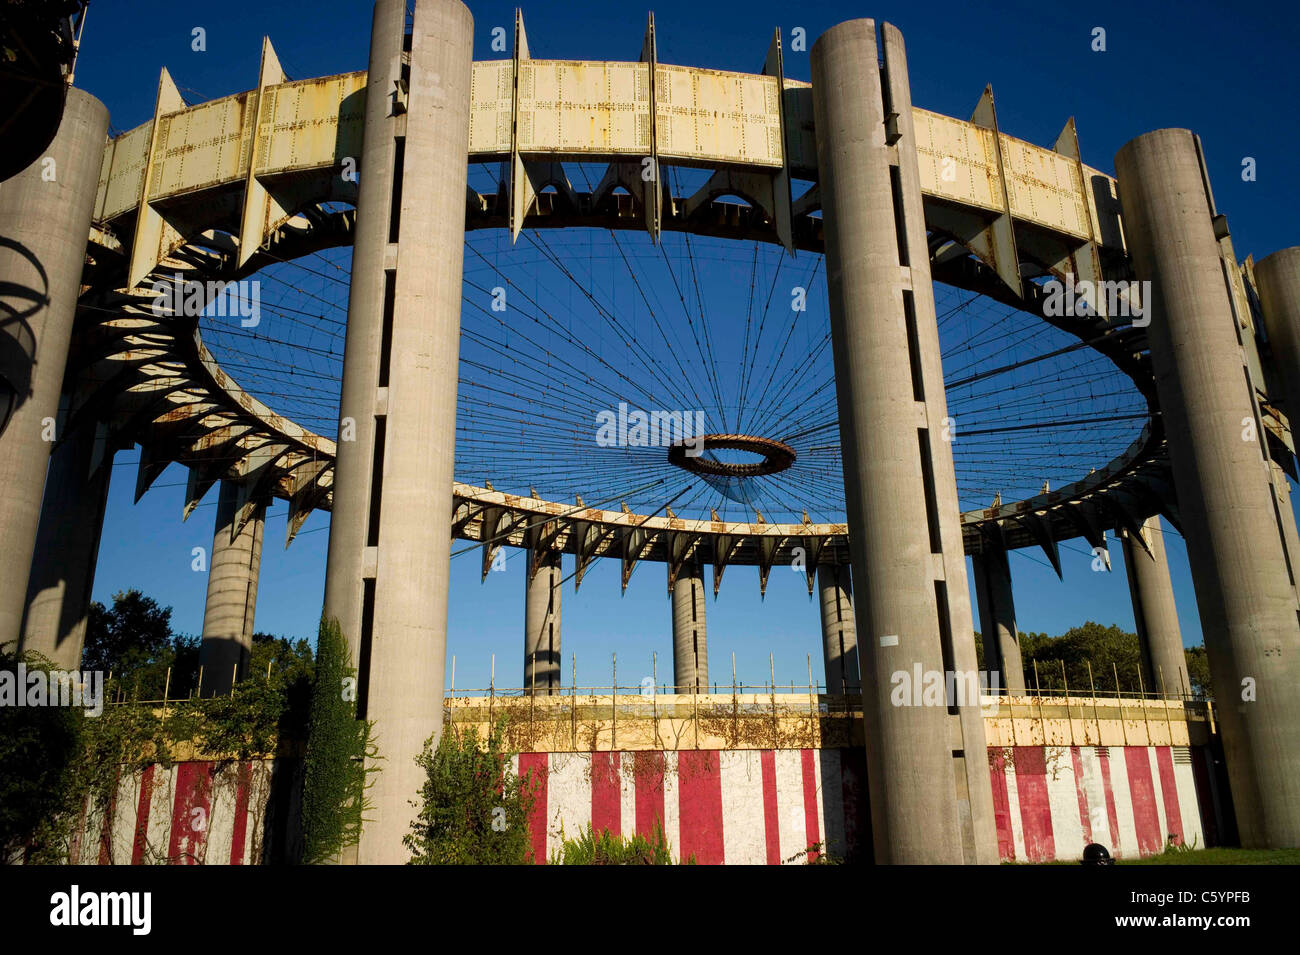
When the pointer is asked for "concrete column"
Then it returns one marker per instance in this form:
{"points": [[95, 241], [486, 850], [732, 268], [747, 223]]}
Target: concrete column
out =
{"points": [[839, 633], [351, 533], [67, 547], [233, 568], [690, 646], [929, 803], [997, 608], [1154, 612], [1244, 588], [45, 215], [390, 547], [542, 623], [1277, 278]]}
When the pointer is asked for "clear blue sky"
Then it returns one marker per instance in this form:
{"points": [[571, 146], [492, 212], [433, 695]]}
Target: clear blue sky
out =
{"points": [[1225, 71]]}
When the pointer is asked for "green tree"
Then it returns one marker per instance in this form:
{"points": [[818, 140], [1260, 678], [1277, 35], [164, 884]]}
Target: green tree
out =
{"points": [[127, 637], [1107, 650], [1198, 671], [474, 807]]}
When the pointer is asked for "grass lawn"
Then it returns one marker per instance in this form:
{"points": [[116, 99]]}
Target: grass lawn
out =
{"points": [[1221, 857]]}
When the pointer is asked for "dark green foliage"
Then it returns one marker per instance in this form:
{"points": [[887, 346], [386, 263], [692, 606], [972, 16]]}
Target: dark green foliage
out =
{"points": [[334, 784], [474, 807], [1110, 651], [1198, 671], [127, 637], [270, 705], [57, 761], [39, 747], [605, 848]]}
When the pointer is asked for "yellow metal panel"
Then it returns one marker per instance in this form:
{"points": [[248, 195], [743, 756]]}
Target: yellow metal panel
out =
{"points": [[1044, 187], [491, 105], [956, 160], [601, 108], [708, 115], [198, 147], [299, 127], [130, 155]]}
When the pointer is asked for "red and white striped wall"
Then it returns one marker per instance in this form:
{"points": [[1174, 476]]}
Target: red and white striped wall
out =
{"points": [[1051, 801], [190, 813], [755, 807], [747, 807]]}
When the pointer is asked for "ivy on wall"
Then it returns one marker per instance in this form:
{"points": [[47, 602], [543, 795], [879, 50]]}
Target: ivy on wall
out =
{"points": [[338, 747]]}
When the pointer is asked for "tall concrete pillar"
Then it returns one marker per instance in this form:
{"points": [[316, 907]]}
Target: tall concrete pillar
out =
{"points": [[45, 215], [1164, 664], [690, 645], [839, 632], [390, 536], [233, 568], [1245, 591], [542, 623], [67, 547], [930, 802], [1277, 278], [997, 609]]}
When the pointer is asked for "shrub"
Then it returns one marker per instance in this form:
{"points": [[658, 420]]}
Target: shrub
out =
{"points": [[474, 806]]}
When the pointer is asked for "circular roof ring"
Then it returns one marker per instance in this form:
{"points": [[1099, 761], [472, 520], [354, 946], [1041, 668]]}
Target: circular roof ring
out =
{"points": [[777, 456]]}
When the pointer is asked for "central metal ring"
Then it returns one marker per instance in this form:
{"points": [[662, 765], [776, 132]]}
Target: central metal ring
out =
{"points": [[777, 456]]}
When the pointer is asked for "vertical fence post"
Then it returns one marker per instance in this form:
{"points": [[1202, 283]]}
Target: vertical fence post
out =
{"points": [[812, 697], [1119, 701], [613, 732], [735, 703], [695, 709], [234, 676], [776, 732], [1038, 697], [573, 702], [492, 693], [167, 685], [1092, 684], [199, 689], [654, 702], [1142, 695]]}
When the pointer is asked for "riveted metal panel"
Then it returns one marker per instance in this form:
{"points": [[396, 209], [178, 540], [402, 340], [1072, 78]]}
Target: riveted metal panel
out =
{"points": [[301, 123], [957, 160], [126, 178], [491, 105], [1044, 187], [198, 147], [577, 108], [713, 116]]}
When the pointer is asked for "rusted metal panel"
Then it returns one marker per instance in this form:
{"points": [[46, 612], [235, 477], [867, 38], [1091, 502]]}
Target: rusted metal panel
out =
{"points": [[491, 107], [198, 147], [300, 123], [714, 116], [121, 190], [1044, 187], [957, 161], [581, 108]]}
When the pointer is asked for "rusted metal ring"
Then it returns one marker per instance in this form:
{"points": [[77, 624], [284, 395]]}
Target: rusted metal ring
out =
{"points": [[777, 456]]}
